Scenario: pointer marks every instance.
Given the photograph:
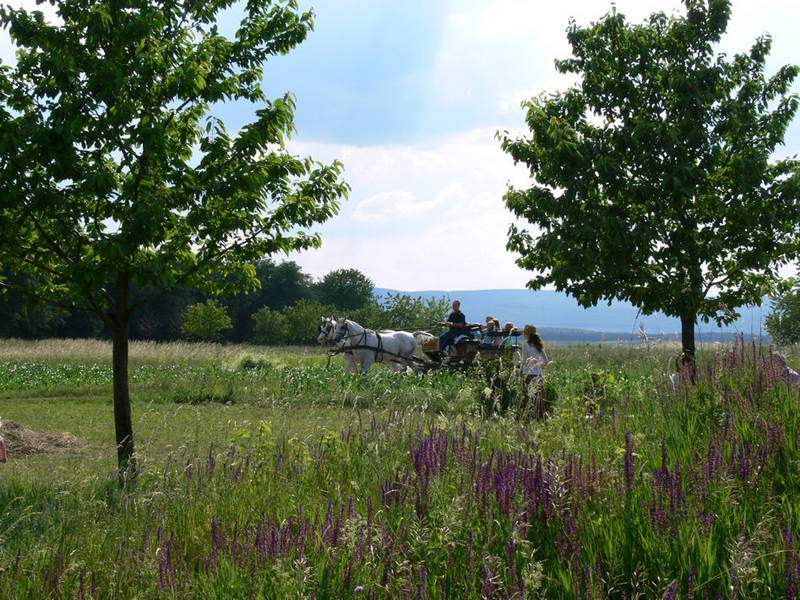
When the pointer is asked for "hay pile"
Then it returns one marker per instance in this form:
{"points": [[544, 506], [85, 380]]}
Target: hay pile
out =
{"points": [[21, 441]]}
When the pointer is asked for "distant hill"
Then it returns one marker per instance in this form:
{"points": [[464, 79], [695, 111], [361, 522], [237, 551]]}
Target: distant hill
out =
{"points": [[561, 319]]}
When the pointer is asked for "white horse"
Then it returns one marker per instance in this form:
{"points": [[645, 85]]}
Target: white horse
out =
{"points": [[327, 333], [370, 346]]}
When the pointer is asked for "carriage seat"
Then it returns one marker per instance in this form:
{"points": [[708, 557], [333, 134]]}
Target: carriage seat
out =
{"points": [[431, 345]]}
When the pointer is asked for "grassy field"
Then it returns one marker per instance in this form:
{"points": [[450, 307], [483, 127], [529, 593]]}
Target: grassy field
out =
{"points": [[267, 473]]}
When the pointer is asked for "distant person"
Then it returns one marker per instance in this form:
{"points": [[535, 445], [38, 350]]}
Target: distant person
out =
{"points": [[508, 331], [489, 324], [534, 358], [497, 338], [492, 336], [791, 376], [457, 323]]}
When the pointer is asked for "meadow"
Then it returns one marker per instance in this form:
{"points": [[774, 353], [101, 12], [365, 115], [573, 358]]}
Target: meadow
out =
{"points": [[268, 473]]}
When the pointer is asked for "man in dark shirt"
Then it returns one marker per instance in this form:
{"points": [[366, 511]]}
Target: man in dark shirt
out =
{"points": [[458, 326]]}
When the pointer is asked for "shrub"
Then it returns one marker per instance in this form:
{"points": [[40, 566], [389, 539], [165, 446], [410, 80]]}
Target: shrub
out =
{"points": [[206, 321], [270, 326], [302, 320], [502, 387], [783, 323]]}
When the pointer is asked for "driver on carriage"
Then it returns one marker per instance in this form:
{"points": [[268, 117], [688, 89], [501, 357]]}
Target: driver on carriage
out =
{"points": [[458, 327]]}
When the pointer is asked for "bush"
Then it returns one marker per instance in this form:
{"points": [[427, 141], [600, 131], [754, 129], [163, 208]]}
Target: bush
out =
{"points": [[206, 321], [502, 389], [302, 320], [251, 362], [270, 326], [783, 323], [402, 311]]}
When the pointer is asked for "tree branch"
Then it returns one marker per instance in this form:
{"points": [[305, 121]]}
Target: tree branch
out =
{"points": [[26, 291]]}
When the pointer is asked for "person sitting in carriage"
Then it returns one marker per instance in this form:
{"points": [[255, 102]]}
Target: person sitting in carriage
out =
{"points": [[492, 334], [509, 332], [457, 323]]}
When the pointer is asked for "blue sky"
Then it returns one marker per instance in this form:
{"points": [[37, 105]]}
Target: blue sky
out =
{"points": [[409, 96]]}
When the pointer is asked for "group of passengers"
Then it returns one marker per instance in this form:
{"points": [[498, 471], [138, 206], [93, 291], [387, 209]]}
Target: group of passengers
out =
{"points": [[492, 335], [533, 355]]}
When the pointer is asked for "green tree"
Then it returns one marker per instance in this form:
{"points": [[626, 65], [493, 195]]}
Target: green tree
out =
{"points": [[346, 289], [653, 180], [206, 321], [270, 326], [162, 318], [783, 323], [280, 284], [114, 170], [302, 320], [402, 311]]}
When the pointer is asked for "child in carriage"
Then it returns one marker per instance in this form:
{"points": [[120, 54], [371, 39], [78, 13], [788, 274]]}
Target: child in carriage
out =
{"points": [[492, 335]]}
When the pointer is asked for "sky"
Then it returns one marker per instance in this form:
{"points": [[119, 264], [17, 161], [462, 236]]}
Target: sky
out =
{"points": [[409, 97]]}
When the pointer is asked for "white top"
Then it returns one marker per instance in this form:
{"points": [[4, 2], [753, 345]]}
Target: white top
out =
{"points": [[532, 359]]}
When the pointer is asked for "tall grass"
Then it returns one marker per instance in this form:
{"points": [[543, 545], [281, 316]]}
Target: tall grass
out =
{"points": [[631, 488], [86, 351]]}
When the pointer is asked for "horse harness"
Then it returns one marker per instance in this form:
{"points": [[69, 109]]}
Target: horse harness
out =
{"points": [[325, 328], [362, 345], [399, 358]]}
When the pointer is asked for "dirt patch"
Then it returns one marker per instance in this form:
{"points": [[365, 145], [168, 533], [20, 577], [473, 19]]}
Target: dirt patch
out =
{"points": [[21, 441]]}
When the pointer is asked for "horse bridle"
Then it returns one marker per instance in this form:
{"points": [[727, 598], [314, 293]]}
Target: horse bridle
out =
{"points": [[325, 328], [346, 335]]}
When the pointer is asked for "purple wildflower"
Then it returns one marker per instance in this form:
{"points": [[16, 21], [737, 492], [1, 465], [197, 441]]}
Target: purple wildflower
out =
{"points": [[629, 461]]}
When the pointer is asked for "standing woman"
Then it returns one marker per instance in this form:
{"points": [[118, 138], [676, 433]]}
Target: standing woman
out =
{"points": [[533, 359]]}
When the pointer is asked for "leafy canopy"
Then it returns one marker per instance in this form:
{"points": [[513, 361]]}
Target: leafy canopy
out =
{"points": [[653, 179], [346, 289], [114, 167]]}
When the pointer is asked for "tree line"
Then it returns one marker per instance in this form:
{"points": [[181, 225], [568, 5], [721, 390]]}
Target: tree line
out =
{"points": [[284, 308]]}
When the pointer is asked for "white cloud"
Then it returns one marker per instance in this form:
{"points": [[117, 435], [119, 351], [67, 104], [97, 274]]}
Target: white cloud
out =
{"points": [[422, 216], [493, 55], [389, 206], [499, 53]]}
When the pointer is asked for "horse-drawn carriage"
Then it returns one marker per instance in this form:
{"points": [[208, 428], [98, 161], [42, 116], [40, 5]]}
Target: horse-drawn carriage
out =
{"points": [[470, 348], [360, 347]]}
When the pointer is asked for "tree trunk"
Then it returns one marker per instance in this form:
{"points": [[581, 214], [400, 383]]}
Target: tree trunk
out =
{"points": [[123, 424], [686, 361]]}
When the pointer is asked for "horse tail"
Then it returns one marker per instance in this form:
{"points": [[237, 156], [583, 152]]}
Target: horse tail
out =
{"points": [[423, 336]]}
